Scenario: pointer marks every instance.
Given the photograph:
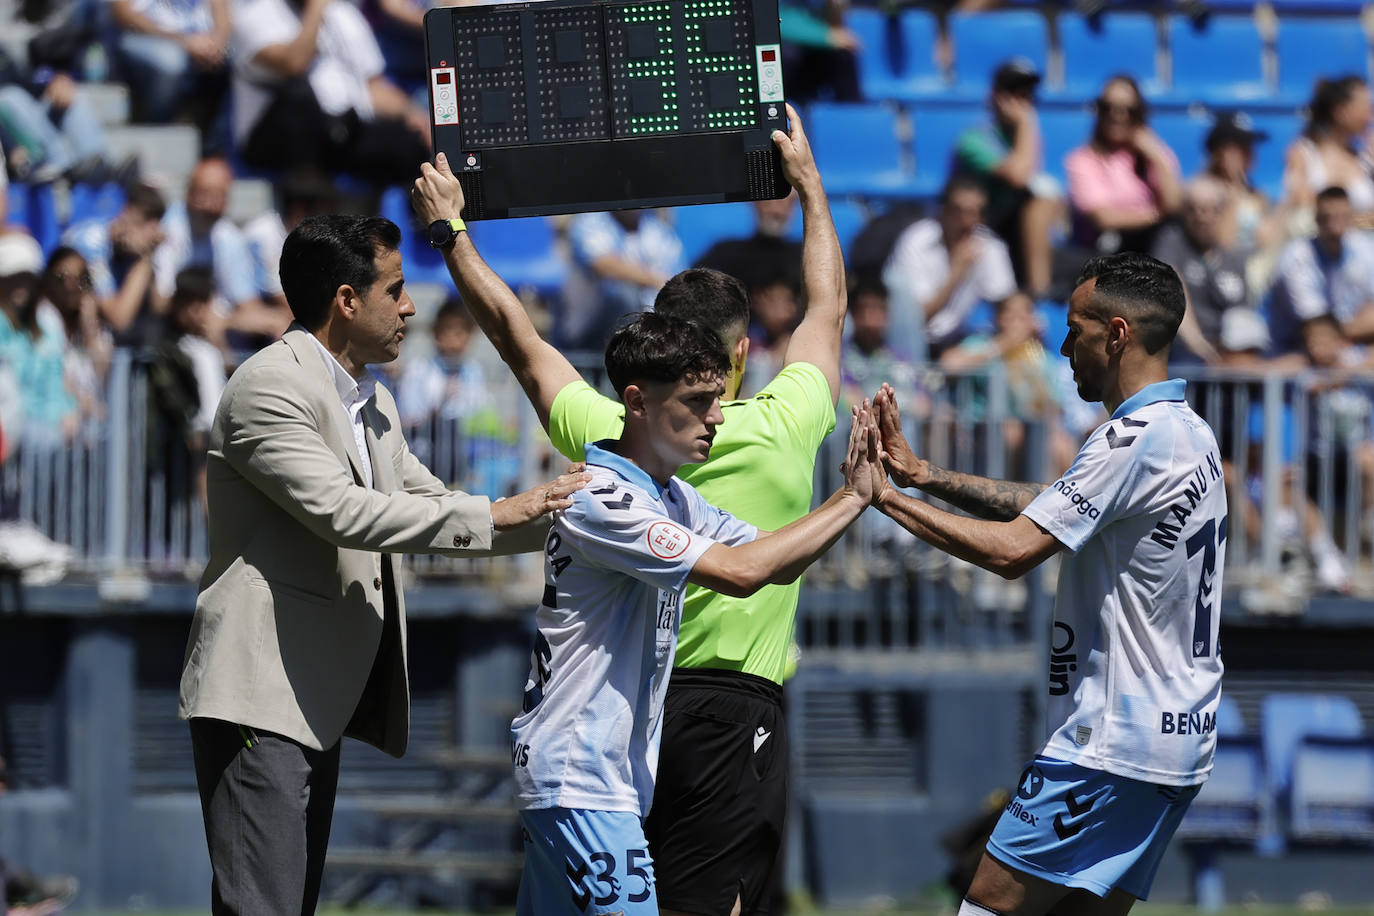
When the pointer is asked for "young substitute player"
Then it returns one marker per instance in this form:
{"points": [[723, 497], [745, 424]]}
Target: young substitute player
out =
{"points": [[1135, 676], [718, 817], [585, 746]]}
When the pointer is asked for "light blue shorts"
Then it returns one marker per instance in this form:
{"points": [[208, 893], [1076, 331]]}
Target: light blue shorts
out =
{"points": [[1085, 828], [580, 862]]}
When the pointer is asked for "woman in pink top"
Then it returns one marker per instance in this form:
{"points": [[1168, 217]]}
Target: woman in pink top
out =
{"points": [[1125, 182]]}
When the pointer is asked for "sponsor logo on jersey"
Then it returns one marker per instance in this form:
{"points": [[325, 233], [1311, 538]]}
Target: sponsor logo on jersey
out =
{"points": [[669, 607], [1018, 811], [1187, 723], [1062, 661], [666, 540], [1032, 781], [1069, 490]]}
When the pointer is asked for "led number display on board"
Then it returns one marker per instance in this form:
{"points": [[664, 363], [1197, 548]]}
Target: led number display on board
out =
{"points": [[572, 75]]}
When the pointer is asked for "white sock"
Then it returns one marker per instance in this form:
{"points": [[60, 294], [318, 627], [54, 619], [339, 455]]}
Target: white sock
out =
{"points": [[969, 908]]}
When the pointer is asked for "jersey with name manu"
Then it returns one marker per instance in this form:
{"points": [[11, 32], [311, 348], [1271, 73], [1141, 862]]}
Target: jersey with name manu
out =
{"points": [[1135, 668], [615, 566]]}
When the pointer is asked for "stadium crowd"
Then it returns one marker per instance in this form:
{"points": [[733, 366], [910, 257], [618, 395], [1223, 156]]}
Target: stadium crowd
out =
{"points": [[326, 99]]}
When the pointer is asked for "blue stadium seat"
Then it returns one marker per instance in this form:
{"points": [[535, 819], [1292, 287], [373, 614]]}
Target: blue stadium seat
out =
{"points": [[1095, 50], [1333, 790], [918, 73], [1286, 719], [102, 201], [522, 253], [34, 207], [1230, 723], [1185, 133], [421, 263], [1350, 7], [982, 41], [849, 218], [395, 206], [1063, 130], [878, 59], [1235, 804], [1053, 317], [935, 130], [1283, 128], [1308, 49], [898, 57], [1220, 64], [702, 226], [43, 220], [858, 149], [17, 211]]}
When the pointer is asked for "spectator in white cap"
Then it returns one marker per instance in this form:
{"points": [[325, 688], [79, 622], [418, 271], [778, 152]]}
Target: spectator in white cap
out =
{"points": [[1243, 331], [32, 349]]}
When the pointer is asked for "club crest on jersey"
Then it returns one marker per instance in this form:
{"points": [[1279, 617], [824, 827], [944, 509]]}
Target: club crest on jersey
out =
{"points": [[666, 540]]}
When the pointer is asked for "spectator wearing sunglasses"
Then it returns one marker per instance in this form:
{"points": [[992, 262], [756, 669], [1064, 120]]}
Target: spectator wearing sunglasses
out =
{"points": [[1124, 183]]}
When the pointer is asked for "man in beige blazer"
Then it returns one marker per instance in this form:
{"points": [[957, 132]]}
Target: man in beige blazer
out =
{"points": [[299, 634]]}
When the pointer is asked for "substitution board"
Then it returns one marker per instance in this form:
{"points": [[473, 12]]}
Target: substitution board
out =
{"points": [[565, 106]]}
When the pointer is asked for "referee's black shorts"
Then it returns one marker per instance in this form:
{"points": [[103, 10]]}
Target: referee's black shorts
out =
{"points": [[720, 797]]}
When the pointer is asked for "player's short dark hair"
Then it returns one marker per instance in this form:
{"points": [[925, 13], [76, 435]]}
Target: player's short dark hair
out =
{"points": [[1145, 291], [454, 309], [867, 282], [961, 183], [708, 297], [1334, 192], [652, 347], [308, 187], [193, 284], [147, 200], [329, 251]]}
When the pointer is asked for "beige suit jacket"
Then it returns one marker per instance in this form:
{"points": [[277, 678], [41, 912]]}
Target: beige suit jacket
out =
{"points": [[291, 633]]}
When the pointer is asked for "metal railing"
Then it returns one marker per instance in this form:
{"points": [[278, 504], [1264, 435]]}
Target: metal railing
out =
{"points": [[124, 495]]}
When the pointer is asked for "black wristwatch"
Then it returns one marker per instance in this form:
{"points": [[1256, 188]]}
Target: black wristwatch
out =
{"points": [[442, 232]]}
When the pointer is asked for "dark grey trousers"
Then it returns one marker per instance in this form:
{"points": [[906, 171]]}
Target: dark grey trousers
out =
{"points": [[267, 812]]}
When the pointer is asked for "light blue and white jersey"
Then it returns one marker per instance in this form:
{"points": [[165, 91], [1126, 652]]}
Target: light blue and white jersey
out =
{"points": [[1135, 668], [615, 565]]}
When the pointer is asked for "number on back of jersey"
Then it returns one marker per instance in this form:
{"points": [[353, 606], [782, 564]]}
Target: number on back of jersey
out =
{"points": [[540, 672]]}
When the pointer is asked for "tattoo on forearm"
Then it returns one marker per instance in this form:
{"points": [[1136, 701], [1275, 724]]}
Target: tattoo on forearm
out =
{"points": [[998, 500]]}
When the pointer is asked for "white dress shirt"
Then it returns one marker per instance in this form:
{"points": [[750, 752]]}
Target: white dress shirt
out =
{"points": [[354, 393]]}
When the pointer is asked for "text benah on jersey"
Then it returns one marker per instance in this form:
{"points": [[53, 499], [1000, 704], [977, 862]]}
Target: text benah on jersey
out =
{"points": [[1187, 723], [1165, 534]]}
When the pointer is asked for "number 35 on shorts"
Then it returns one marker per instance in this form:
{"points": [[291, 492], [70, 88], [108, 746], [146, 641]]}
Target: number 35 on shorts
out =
{"points": [[602, 882]]}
